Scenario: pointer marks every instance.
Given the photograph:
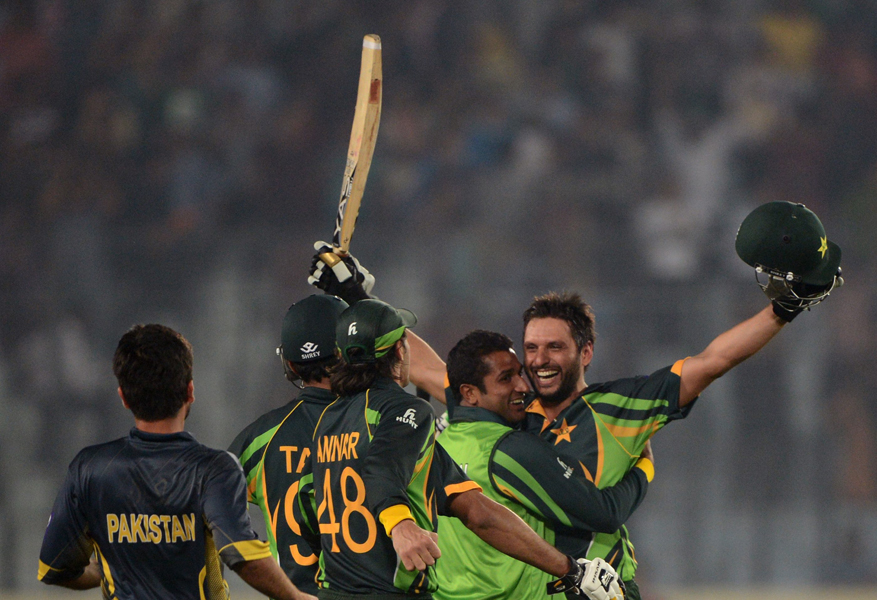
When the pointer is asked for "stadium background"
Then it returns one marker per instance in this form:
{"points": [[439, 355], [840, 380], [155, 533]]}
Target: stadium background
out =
{"points": [[174, 161]]}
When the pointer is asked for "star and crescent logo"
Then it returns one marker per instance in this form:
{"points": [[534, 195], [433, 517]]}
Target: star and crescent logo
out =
{"points": [[823, 248], [563, 432]]}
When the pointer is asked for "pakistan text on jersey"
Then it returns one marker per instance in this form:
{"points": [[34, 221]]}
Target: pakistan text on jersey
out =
{"points": [[157, 529], [337, 447]]}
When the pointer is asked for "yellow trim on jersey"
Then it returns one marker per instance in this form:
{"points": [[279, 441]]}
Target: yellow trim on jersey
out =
{"points": [[317, 426], [392, 516], [105, 567], [677, 366], [365, 416], [44, 570], [647, 467], [201, 577], [459, 488], [536, 407], [250, 549]]}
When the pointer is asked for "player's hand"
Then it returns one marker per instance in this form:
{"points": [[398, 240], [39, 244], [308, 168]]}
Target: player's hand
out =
{"points": [[593, 579], [346, 278], [416, 547], [600, 581], [788, 301]]}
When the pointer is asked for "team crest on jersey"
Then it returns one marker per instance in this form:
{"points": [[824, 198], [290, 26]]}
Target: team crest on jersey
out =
{"points": [[310, 350], [409, 418]]}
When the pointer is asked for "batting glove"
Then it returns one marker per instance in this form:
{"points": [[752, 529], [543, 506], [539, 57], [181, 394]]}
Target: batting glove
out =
{"points": [[346, 278], [441, 422], [593, 579]]}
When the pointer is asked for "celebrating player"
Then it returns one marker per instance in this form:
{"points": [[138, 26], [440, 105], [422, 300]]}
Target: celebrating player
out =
{"points": [[273, 448], [379, 481], [158, 509], [605, 426], [520, 471]]}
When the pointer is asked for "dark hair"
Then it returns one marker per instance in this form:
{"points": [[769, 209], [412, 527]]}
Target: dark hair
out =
{"points": [[466, 364], [315, 370], [350, 379], [569, 307], [153, 364]]}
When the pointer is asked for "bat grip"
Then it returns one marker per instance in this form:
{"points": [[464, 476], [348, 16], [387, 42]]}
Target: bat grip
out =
{"points": [[332, 258]]}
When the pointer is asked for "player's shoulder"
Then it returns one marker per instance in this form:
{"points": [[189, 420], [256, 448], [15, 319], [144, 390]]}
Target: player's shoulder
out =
{"points": [[629, 386], [521, 444], [268, 420], [98, 452], [386, 395]]}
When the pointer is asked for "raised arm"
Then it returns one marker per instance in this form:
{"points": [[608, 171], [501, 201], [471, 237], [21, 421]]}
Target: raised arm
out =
{"points": [[726, 352], [428, 370]]}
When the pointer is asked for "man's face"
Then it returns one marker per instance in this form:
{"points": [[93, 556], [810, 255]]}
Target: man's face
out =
{"points": [[554, 365], [504, 387]]}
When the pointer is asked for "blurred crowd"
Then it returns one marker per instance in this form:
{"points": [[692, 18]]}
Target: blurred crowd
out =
{"points": [[175, 160]]}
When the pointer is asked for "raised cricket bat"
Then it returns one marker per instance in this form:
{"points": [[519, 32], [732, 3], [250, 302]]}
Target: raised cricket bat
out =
{"points": [[363, 136]]}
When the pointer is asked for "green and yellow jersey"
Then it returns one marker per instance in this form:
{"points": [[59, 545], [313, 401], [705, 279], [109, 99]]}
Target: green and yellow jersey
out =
{"points": [[374, 462], [161, 512], [273, 451], [524, 473], [603, 433]]}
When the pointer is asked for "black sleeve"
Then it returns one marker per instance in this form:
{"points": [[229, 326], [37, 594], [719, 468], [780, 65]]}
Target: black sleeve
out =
{"points": [[403, 438], [224, 506], [450, 479], [240, 442], [529, 470], [67, 546]]}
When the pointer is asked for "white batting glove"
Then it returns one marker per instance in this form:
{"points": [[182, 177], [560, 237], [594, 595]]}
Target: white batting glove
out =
{"points": [[344, 277], [593, 579], [600, 581]]}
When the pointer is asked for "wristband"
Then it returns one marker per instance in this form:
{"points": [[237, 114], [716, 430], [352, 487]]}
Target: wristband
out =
{"points": [[392, 516], [784, 313], [647, 467]]}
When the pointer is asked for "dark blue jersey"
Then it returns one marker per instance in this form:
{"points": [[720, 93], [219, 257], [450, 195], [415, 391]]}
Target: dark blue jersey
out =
{"points": [[159, 511]]}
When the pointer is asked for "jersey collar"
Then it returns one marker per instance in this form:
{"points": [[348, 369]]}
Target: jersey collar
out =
{"points": [[317, 395], [160, 437]]}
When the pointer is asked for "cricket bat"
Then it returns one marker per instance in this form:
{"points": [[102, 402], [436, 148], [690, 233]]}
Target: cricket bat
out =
{"points": [[363, 136]]}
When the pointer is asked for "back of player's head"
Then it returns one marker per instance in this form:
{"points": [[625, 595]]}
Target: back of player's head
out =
{"points": [[308, 337], [569, 307], [153, 365], [466, 364], [366, 335]]}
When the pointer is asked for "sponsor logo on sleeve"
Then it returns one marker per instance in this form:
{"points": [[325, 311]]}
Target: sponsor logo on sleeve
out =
{"points": [[409, 418]]}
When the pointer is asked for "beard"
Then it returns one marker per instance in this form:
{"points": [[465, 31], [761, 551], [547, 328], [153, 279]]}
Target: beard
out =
{"points": [[568, 385]]}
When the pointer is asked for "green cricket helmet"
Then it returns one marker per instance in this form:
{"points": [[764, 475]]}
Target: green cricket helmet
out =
{"points": [[793, 259]]}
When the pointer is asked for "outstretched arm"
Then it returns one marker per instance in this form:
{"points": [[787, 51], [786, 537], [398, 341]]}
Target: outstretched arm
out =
{"points": [[507, 532], [726, 352], [428, 370], [266, 576]]}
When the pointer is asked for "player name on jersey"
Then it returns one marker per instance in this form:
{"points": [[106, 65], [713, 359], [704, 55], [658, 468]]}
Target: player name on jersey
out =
{"points": [[337, 447], [157, 529]]}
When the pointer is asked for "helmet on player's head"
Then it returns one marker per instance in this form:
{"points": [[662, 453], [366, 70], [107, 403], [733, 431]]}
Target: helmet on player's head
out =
{"points": [[308, 332], [794, 262]]}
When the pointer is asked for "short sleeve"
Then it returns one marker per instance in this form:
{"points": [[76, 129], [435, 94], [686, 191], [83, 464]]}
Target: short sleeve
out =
{"points": [[449, 479], [225, 510], [67, 546]]}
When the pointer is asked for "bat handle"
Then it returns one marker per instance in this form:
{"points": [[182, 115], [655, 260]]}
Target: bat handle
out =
{"points": [[332, 258]]}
